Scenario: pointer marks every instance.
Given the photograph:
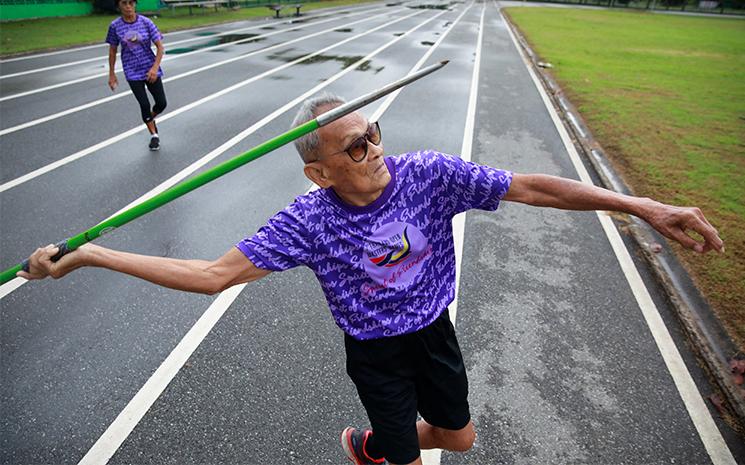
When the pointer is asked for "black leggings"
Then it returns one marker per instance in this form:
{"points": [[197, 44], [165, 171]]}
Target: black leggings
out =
{"points": [[159, 95]]}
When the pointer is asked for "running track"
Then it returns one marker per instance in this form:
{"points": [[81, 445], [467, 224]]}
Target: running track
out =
{"points": [[571, 358]]}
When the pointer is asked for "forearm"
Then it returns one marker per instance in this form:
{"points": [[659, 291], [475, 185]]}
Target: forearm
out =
{"points": [[159, 52], [550, 191], [671, 221], [207, 277], [185, 275], [112, 60]]}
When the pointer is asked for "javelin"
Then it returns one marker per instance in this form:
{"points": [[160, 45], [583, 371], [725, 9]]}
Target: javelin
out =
{"points": [[189, 185]]}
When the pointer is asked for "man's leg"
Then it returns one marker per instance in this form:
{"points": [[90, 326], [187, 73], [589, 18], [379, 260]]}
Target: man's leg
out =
{"points": [[383, 375], [159, 96], [418, 461], [138, 90], [384, 371], [432, 437], [442, 390], [151, 127]]}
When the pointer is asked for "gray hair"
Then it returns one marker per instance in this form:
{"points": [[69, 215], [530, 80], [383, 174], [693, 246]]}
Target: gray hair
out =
{"points": [[307, 145]]}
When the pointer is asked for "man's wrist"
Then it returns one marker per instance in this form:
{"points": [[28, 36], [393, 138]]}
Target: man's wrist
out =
{"points": [[643, 207], [90, 255]]}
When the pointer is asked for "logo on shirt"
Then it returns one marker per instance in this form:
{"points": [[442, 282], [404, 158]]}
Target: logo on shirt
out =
{"points": [[393, 256], [132, 38]]}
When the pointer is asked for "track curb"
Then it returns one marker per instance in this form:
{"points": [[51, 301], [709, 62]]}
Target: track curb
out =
{"points": [[705, 334]]}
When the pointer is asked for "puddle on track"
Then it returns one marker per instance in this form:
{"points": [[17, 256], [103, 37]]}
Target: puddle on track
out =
{"points": [[345, 60], [366, 66], [433, 6], [227, 38]]}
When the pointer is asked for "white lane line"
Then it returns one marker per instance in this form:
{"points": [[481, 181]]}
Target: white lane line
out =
{"points": [[165, 59], [87, 47], [61, 65], [110, 441], [110, 98], [11, 286], [167, 35], [700, 416], [126, 421], [466, 150], [47, 54], [434, 456], [85, 152], [170, 46]]}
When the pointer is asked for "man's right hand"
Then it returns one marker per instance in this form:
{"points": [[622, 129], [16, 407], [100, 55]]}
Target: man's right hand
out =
{"points": [[113, 81], [41, 264]]}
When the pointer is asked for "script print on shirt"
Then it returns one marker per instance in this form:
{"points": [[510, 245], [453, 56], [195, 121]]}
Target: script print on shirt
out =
{"points": [[387, 268]]}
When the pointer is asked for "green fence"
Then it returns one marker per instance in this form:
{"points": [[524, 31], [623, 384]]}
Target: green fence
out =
{"points": [[25, 9]]}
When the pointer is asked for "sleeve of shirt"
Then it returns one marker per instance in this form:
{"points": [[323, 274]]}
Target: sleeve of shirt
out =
{"points": [[467, 185], [155, 34], [111, 37], [280, 244]]}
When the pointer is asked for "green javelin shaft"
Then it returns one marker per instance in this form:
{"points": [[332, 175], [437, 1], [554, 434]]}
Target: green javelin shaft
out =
{"points": [[197, 181]]}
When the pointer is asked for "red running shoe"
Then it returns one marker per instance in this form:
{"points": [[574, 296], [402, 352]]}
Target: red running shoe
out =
{"points": [[353, 442]]}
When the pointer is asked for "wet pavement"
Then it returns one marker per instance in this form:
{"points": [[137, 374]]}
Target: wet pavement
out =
{"points": [[561, 365]]}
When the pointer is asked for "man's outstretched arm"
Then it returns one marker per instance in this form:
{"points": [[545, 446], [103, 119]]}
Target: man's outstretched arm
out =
{"points": [[671, 221], [203, 276]]}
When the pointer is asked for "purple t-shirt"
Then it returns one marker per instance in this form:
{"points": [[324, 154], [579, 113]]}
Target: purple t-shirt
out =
{"points": [[387, 268], [135, 38]]}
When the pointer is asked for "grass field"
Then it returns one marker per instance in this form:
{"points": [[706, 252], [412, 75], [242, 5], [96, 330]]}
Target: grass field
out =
{"points": [[50, 33], [665, 97]]}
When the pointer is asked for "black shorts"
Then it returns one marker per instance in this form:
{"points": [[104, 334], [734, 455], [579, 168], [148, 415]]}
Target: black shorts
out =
{"points": [[398, 376]]}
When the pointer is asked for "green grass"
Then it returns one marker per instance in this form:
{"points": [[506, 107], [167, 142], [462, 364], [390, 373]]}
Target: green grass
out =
{"points": [[665, 96], [50, 33]]}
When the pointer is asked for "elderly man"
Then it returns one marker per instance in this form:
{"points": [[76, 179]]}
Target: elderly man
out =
{"points": [[378, 236]]}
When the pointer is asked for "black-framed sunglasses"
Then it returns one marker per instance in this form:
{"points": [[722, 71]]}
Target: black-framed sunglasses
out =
{"points": [[357, 150]]}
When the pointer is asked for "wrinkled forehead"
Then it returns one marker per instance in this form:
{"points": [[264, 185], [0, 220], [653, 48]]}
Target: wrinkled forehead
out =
{"points": [[340, 133]]}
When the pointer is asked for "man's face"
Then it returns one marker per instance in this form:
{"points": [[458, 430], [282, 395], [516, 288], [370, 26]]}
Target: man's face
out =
{"points": [[127, 6], [338, 169]]}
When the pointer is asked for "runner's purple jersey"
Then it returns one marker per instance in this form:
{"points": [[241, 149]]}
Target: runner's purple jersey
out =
{"points": [[387, 268], [136, 39]]}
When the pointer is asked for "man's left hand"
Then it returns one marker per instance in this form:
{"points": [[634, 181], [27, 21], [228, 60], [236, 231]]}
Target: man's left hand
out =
{"points": [[675, 223], [152, 75]]}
